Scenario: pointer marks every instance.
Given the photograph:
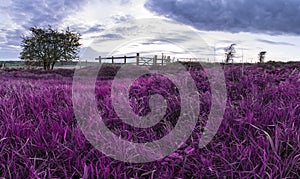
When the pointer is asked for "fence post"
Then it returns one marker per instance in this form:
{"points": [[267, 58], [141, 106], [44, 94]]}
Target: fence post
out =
{"points": [[125, 59], [137, 58], [168, 59], [155, 60], [100, 59], [112, 59]]}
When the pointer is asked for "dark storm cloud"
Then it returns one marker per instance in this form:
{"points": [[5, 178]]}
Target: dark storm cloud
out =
{"points": [[259, 16], [42, 13], [275, 43]]}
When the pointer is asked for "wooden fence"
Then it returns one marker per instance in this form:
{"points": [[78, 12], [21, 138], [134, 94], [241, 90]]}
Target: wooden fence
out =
{"points": [[125, 58], [141, 61]]}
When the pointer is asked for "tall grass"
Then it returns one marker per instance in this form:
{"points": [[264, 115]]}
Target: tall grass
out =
{"points": [[259, 136]]}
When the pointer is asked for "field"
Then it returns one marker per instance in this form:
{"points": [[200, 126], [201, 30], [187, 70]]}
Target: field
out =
{"points": [[259, 135]]}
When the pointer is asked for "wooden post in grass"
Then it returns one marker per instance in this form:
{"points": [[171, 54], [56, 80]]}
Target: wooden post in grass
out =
{"points": [[155, 60], [112, 59], [125, 59], [137, 58], [99, 58], [168, 59]]}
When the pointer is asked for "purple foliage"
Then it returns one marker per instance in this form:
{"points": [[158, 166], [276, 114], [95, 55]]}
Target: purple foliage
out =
{"points": [[259, 136]]}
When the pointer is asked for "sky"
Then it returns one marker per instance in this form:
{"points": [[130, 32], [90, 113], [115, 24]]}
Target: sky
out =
{"points": [[254, 25]]}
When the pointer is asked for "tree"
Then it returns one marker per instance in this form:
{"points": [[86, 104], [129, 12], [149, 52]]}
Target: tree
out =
{"points": [[261, 56], [47, 46], [229, 53]]}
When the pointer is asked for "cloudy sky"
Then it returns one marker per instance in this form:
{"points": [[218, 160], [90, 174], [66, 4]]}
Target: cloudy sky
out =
{"points": [[254, 25]]}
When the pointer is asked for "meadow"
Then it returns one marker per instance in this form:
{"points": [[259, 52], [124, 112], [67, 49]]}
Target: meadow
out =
{"points": [[259, 135]]}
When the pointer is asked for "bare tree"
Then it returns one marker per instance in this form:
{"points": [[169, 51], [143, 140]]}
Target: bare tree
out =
{"points": [[261, 56], [229, 53]]}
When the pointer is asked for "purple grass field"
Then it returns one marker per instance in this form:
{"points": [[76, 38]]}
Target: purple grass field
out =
{"points": [[259, 135]]}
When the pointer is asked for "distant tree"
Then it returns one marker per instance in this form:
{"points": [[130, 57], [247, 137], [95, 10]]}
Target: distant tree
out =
{"points": [[47, 46], [229, 53], [261, 56]]}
